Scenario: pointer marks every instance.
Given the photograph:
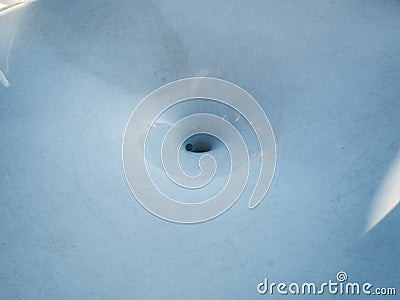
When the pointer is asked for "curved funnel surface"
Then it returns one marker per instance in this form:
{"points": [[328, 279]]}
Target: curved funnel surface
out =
{"points": [[182, 133]]}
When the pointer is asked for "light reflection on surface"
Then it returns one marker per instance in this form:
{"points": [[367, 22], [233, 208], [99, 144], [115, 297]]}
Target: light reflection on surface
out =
{"points": [[8, 6], [388, 196]]}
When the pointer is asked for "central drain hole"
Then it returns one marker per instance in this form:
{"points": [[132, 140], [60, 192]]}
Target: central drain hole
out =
{"points": [[200, 143], [198, 147]]}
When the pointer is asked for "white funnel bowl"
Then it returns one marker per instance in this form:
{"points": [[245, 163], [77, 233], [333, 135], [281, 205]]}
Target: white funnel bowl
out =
{"points": [[209, 118]]}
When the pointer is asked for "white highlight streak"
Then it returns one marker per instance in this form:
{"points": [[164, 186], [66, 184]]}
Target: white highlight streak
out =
{"points": [[388, 196], [9, 8], [4, 80]]}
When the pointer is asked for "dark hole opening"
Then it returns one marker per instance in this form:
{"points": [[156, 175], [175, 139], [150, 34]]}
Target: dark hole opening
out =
{"points": [[200, 143], [198, 147]]}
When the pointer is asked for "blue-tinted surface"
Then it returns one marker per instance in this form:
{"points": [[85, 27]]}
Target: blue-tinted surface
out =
{"points": [[327, 74]]}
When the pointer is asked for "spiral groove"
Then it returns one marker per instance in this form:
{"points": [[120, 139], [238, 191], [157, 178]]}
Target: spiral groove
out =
{"points": [[145, 188]]}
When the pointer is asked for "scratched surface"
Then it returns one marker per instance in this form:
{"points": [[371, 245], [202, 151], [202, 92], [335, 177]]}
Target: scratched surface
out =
{"points": [[327, 73]]}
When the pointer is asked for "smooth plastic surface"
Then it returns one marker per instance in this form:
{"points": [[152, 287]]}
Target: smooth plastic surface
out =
{"points": [[325, 72]]}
